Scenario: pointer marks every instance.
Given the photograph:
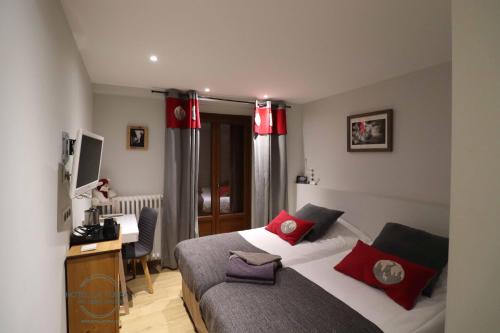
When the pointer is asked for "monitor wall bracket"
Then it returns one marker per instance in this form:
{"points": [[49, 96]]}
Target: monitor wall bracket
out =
{"points": [[67, 151]]}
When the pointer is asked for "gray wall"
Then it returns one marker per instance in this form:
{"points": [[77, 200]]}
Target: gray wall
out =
{"points": [[44, 89], [474, 267], [417, 169]]}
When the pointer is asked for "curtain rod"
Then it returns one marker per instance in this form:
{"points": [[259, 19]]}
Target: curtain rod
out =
{"points": [[216, 98]]}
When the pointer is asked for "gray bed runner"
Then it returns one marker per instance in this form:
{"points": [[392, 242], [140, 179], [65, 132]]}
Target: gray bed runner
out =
{"points": [[294, 304], [203, 261]]}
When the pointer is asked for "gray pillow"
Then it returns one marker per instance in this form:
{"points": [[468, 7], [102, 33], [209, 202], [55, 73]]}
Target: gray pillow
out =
{"points": [[417, 246], [323, 218]]}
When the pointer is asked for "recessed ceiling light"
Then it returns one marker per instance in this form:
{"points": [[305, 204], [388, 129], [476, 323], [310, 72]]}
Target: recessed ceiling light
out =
{"points": [[265, 96], [207, 89], [153, 58]]}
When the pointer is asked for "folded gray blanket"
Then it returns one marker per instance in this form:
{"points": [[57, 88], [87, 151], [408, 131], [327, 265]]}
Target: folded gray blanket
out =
{"points": [[256, 258], [203, 261], [238, 268]]}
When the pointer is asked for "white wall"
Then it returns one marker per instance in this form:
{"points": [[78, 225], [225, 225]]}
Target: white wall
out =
{"points": [[474, 267], [44, 89], [295, 152], [141, 172], [417, 169]]}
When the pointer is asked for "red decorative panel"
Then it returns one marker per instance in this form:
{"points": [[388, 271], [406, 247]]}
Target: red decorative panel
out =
{"points": [[182, 112], [263, 120], [279, 120]]}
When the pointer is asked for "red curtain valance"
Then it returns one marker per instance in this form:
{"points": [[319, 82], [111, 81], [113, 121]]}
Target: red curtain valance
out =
{"points": [[279, 120], [269, 119], [183, 111]]}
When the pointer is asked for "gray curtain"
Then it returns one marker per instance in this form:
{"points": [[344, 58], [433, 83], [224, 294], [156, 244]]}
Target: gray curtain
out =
{"points": [[182, 146], [279, 180], [269, 192], [261, 180]]}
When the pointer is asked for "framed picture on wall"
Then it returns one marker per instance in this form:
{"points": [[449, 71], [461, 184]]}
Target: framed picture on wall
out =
{"points": [[137, 137], [370, 131]]}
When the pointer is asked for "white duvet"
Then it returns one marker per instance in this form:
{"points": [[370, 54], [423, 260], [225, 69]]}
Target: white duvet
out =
{"points": [[340, 237], [427, 315]]}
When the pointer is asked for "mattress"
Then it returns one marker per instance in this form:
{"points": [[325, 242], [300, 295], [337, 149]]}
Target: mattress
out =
{"points": [[426, 317]]}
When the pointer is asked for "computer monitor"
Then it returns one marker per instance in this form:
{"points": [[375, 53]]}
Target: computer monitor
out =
{"points": [[86, 162]]}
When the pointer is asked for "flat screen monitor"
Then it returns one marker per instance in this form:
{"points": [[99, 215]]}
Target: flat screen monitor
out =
{"points": [[86, 162]]}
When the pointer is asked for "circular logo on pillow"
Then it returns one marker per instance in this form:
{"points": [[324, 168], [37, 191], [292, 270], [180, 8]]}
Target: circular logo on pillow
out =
{"points": [[288, 226], [179, 113], [388, 272]]}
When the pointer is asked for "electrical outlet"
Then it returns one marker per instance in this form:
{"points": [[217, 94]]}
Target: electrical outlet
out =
{"points": [[67, 215]]}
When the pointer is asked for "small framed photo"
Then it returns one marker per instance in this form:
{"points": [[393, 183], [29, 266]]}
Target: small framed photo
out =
{"points": [[137, 137], [370, 131]]}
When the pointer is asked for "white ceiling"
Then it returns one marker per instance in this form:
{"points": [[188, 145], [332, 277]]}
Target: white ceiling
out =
{"points": [[296, 50]]}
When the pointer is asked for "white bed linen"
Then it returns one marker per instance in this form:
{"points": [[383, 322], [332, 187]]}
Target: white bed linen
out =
{"points": [[340, 237], [427, 315]]}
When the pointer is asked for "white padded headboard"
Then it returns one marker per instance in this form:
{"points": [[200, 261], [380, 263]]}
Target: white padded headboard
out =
{"points": [[371, 212]]}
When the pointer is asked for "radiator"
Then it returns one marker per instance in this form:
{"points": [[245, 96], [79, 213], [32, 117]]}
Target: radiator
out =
{"points": [[133, 205]]}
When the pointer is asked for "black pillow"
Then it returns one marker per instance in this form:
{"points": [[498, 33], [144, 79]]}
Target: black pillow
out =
{"points": [[416, 246], [323, 219]]}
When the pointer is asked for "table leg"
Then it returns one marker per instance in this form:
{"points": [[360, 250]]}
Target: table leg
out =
{"points": [[123, 286]]}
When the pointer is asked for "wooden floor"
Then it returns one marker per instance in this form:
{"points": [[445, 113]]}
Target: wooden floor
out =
{"points": [[163, 311]]}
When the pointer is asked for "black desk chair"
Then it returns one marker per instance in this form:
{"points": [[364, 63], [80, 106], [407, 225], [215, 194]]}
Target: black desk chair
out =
{"points": [[143, 247]]}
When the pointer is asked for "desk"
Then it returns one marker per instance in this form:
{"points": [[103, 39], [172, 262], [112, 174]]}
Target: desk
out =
{"points": [[93, 277], [92, 287], [129, 228]]}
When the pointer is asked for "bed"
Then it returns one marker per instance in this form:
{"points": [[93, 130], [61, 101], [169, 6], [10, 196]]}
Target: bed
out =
{"points": [[202, 261], [309, 295], [313, 297]]}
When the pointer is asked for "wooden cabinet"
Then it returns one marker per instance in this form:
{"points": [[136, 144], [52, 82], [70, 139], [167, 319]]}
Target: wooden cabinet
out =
{"points": [[92, 288]]}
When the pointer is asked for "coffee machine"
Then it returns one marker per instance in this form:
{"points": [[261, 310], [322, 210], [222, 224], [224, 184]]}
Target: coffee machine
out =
{"points": [[92, 231]]}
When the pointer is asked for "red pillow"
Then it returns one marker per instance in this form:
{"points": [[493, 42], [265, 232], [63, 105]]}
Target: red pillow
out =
{"points": [[402, 280], [289, 228]]}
